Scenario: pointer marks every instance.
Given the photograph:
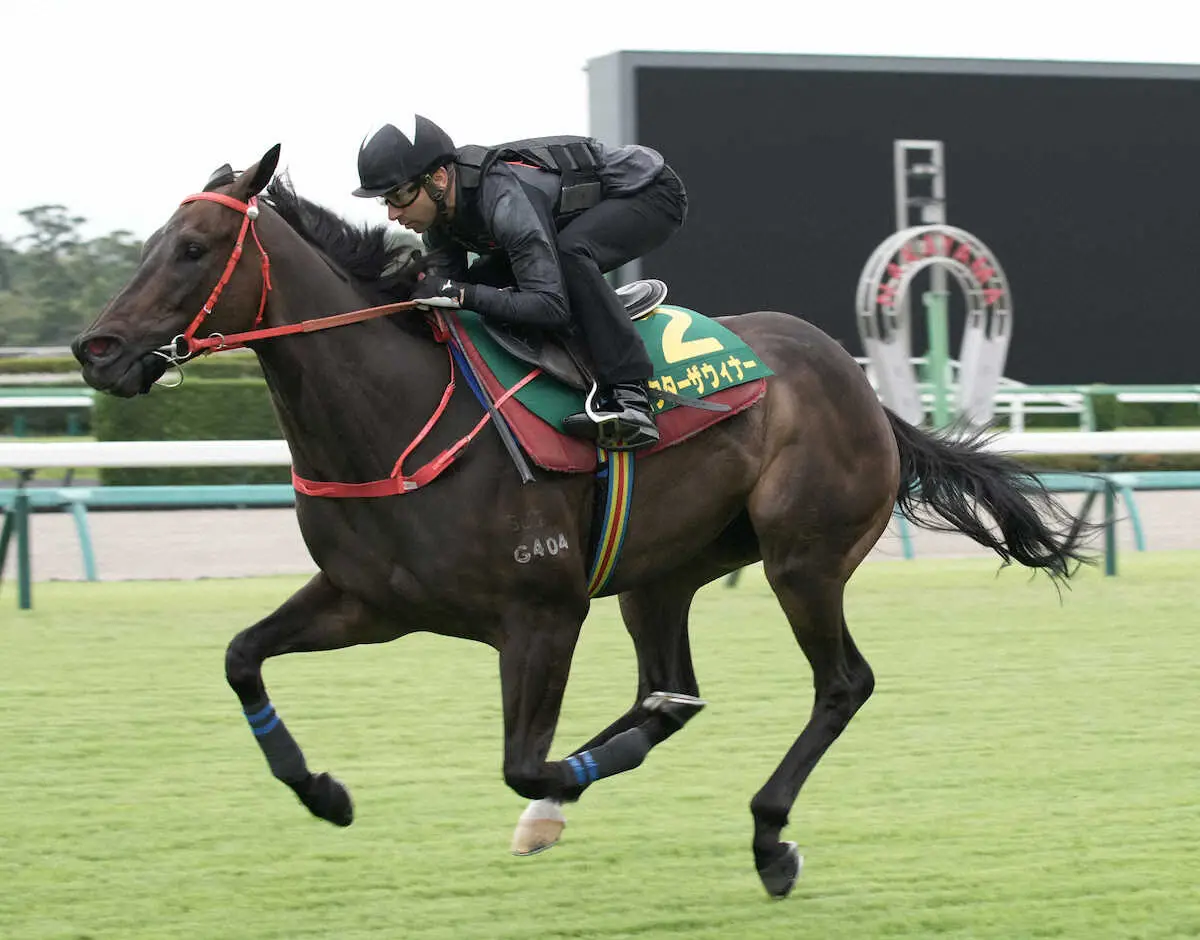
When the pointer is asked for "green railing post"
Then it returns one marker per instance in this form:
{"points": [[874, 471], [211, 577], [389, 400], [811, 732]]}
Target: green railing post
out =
{"points": [[938, 327], [24, 575], [905, 532], [16, 523], [79, 512], [1110, 528]]}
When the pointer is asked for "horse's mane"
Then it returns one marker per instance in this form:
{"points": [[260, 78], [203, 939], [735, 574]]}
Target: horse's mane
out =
{"points": [[368, 254]]}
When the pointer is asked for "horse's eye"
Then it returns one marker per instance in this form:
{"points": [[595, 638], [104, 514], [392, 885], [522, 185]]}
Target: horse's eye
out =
{"points": [[194, 251]]}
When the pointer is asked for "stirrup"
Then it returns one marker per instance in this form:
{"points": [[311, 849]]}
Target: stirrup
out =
{"points": [[620, 435]]}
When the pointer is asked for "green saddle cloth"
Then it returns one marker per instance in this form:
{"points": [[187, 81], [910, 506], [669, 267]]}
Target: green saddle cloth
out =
{"points": [[693, 356]]}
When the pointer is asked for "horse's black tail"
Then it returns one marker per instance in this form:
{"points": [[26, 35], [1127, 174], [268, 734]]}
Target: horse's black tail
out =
{"points": [[947, 483]]}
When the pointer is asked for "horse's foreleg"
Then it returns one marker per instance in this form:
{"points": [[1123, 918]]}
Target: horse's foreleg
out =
{"points": [[666, 698], [317, 617], [535, 659]]}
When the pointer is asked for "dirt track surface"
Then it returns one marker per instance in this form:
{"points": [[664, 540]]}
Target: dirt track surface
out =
{"points": [[241, 543]]}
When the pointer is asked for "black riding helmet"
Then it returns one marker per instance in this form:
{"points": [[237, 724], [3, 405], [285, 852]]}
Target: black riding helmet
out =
{"points": [[389, 159]]}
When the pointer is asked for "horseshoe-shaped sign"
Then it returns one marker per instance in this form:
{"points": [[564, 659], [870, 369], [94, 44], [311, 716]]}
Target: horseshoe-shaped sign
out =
{"points": [[883, 318]]}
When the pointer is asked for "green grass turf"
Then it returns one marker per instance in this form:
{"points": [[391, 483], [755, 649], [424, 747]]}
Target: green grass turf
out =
{"points": [[1026, 769]]}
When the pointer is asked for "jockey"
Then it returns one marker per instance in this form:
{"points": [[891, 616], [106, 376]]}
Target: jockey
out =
{"points": [[548, 217]]}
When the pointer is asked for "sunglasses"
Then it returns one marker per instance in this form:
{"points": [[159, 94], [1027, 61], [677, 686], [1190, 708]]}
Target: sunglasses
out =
{"points": [[401, 197]]}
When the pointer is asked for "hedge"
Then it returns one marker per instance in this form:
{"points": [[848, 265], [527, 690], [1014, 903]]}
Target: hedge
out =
{"points": [[228, 365], [225, 397], [1085, 463], [1109, 412], [25, 365], [240, 409], [199, 409], [240, 364], [1112, 414]]}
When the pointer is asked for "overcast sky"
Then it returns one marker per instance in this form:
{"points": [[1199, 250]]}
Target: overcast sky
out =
{"points": [[118, 109]]}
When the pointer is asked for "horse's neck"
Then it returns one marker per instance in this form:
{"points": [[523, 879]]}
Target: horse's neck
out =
{"points": [[349, 399]]}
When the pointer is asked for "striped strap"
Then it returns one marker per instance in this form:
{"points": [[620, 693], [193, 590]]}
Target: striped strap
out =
{"points": [[616, 517]]}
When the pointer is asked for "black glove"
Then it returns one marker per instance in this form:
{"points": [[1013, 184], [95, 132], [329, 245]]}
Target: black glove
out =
{"points": [[433, 291]]}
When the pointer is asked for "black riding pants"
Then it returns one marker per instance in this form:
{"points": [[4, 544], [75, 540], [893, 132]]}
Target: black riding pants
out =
{"points": [[601, 239]]}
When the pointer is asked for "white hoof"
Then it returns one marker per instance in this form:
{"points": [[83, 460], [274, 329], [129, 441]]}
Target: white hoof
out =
{"points": [[539, 827]]}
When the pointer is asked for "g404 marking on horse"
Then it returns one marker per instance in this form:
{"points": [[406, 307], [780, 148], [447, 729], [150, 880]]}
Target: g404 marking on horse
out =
{"points": [[525, 553]]}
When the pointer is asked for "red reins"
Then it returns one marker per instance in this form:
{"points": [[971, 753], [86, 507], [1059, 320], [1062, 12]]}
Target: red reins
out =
{"points": [[185, 345]]}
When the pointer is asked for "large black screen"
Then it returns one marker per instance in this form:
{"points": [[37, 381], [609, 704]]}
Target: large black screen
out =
{"points": [[1085, 188]]}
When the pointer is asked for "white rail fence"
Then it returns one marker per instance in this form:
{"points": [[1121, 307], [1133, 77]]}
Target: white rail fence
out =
{"points": [[28, 458]]}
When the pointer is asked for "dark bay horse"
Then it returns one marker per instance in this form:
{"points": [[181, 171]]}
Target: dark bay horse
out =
{"points": [[805, 481]]}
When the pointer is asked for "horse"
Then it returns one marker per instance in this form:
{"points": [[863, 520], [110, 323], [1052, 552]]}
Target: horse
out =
{"points": [[805, 481]]}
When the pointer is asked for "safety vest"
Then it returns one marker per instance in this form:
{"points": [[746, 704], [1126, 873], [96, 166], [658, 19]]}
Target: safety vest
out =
{"points": [[569, 157]]}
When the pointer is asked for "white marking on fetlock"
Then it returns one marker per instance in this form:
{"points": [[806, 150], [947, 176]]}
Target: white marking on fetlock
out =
{"points": [[544, 809], [539, 827]]}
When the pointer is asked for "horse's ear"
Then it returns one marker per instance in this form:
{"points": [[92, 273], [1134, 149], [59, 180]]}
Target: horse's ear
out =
{"points": [[255, 178], [221, 176]]}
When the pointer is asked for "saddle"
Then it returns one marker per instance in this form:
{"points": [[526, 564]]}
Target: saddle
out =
{"points": [[702, 372], [563, 356]]}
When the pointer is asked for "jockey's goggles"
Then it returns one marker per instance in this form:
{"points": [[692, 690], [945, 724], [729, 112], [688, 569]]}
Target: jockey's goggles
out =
{"points": [[402, 196]]}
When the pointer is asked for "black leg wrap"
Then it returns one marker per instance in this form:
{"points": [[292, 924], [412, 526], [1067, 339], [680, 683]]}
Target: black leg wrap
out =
{"points": [[283, 754], [658, 728], [622, 752]]}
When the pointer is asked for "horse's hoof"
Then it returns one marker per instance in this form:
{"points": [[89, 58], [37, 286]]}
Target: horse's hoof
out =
{"points": [[779, 875], [327, 799], [539, 827]]}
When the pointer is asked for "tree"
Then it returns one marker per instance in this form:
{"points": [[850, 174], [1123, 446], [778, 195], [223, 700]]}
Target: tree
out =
{"points": [[53, 283], [18, 321], [7, 258], [47, 280], [102, 267]]}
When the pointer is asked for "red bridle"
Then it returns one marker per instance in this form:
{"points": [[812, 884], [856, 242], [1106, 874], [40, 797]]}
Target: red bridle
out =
{"points": [[186, 345]]}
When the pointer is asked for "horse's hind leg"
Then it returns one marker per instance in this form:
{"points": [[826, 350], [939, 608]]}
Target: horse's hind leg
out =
{"points": [[657, 620], [811, 596], [317, 617]]}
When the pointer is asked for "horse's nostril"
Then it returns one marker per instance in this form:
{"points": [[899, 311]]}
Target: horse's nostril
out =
{"points": [[99, 347], [92, 350]]}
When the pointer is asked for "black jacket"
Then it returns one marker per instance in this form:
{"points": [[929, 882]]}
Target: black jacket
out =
{"points": [[511, 220]]}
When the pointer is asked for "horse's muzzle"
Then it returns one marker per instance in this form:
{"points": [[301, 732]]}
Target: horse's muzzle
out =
{"points": [[109, 365]]}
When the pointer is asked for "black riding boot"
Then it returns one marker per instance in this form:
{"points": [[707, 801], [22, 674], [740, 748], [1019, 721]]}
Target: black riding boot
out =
{"points": [[623, 419]]}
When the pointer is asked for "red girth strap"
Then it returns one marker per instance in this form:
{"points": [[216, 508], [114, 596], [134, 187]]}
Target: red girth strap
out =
{"points": [[398, 484]]}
